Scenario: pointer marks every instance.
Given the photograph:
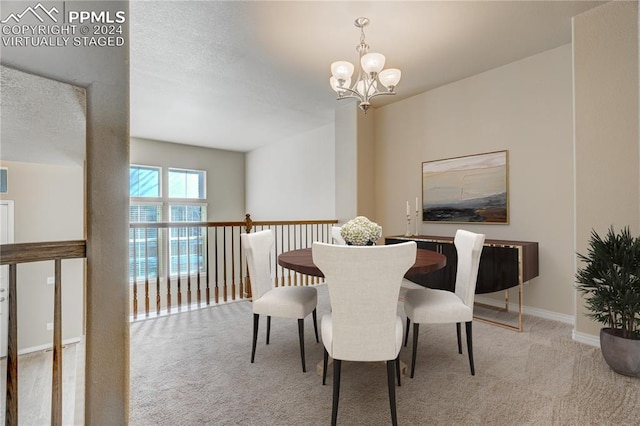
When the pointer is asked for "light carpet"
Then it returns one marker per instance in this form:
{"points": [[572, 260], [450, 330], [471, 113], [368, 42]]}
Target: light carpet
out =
{"points": [[193, 368]]}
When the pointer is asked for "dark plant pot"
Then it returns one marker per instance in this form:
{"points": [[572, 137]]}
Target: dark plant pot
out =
{"points": [[622, 355]]}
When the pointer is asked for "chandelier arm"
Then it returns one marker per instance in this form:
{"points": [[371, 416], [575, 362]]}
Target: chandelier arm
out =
{"points": [[353, 94], [381, 93]]}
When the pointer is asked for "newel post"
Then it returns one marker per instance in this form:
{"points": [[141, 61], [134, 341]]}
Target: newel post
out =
{"points": [[248, 224]]}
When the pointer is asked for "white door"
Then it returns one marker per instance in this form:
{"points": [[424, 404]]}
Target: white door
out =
{"points": [[6, 236]]}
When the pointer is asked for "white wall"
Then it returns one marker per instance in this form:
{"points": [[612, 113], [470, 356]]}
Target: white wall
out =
{"points": [[293, 179], [606, 126], [225, 172], [49, 206], [524, 107]]}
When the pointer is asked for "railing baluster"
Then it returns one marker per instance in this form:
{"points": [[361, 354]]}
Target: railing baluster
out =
{"points": [[233, 266], [146, 271], [188, 229], [216, 263], [275, 239], [224, 263], [179, 290], [158, 299], [208, 294], [56, 374], [199, 240], [167, 265], [135, 277], [11, 409]]}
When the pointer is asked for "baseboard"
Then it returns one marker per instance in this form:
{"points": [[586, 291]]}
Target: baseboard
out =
{"points": [[536, 312], [588, 339], [48, 347]]}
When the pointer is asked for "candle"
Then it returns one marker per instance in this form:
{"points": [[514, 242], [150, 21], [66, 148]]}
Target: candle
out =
{"points": [[408, 212], [417, 205]]}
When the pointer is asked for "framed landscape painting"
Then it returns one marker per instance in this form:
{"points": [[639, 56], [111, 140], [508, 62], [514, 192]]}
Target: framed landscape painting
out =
{"points": [[466, 189]]}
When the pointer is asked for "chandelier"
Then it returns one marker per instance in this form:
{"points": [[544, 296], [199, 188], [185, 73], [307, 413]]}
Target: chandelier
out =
{"points": [[370, 72]]}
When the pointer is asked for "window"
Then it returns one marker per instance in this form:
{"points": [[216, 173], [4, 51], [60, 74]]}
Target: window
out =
{"points": [[144, 181], [148, 247], [186, 184]]}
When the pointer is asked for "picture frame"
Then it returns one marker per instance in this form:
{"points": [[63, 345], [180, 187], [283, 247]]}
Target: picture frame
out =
{"points": [[467, 189], [4, 180]]}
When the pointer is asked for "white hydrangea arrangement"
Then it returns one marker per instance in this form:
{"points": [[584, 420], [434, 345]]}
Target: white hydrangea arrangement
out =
{"points": [[361, 231]]}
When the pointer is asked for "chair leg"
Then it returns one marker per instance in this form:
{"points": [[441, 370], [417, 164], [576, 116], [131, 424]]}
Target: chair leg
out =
{"points": [[398, 369], [392, 391], [301, 336], [268, 328], [470, 347], [337, 363], [415, 348], [459, 339], [325, 362], [315, 325], [256, 320], [406, 332]]}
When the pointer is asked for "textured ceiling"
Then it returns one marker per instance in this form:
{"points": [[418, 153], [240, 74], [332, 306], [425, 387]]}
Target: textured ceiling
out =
{"points": [[237, 75], [37, 111]]}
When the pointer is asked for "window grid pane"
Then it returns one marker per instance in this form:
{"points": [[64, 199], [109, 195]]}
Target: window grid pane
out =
{"points": [[186, 184], [144, 181], [191, 246], [147, 252]]}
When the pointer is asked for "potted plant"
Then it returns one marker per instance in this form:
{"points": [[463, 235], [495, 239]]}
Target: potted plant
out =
{"points": [[610, 278], [360, 231]]}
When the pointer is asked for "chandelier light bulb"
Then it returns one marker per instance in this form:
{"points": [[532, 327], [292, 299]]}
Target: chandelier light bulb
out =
{"points": [[372, 63], [335, 85], [390, 78], [371, 84], [342, 70]]}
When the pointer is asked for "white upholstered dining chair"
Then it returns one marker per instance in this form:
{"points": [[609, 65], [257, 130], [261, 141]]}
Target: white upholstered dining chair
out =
{"points": [[288, 302], [364, 283], [433, 306], [336, 236]]}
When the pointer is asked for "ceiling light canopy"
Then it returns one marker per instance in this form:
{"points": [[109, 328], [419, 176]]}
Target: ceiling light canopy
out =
{"points": [[370, 72]]}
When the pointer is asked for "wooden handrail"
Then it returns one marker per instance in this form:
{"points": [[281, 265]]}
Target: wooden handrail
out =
{"points": [[38, 252]]}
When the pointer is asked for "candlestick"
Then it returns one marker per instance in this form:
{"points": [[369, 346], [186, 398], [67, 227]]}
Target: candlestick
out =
{"points": [[408, 233], [416, 204], [408, 212], [417, 222]]}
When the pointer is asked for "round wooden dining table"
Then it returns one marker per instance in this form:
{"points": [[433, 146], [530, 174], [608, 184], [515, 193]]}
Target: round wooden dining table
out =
{"points": [[301, 260]]}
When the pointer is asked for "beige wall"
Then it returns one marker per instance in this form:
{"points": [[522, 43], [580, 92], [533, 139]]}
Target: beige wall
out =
{"points": [[225, 172], [355, 191], [44, 195], [524, 107], [605, 55], [366, 164]]}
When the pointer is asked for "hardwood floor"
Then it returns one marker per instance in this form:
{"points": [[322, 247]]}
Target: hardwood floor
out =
{"points": [[34, 387]]}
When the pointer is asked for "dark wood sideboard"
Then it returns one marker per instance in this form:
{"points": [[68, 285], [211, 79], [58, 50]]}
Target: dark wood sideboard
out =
{"points": [[503, 264]]}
